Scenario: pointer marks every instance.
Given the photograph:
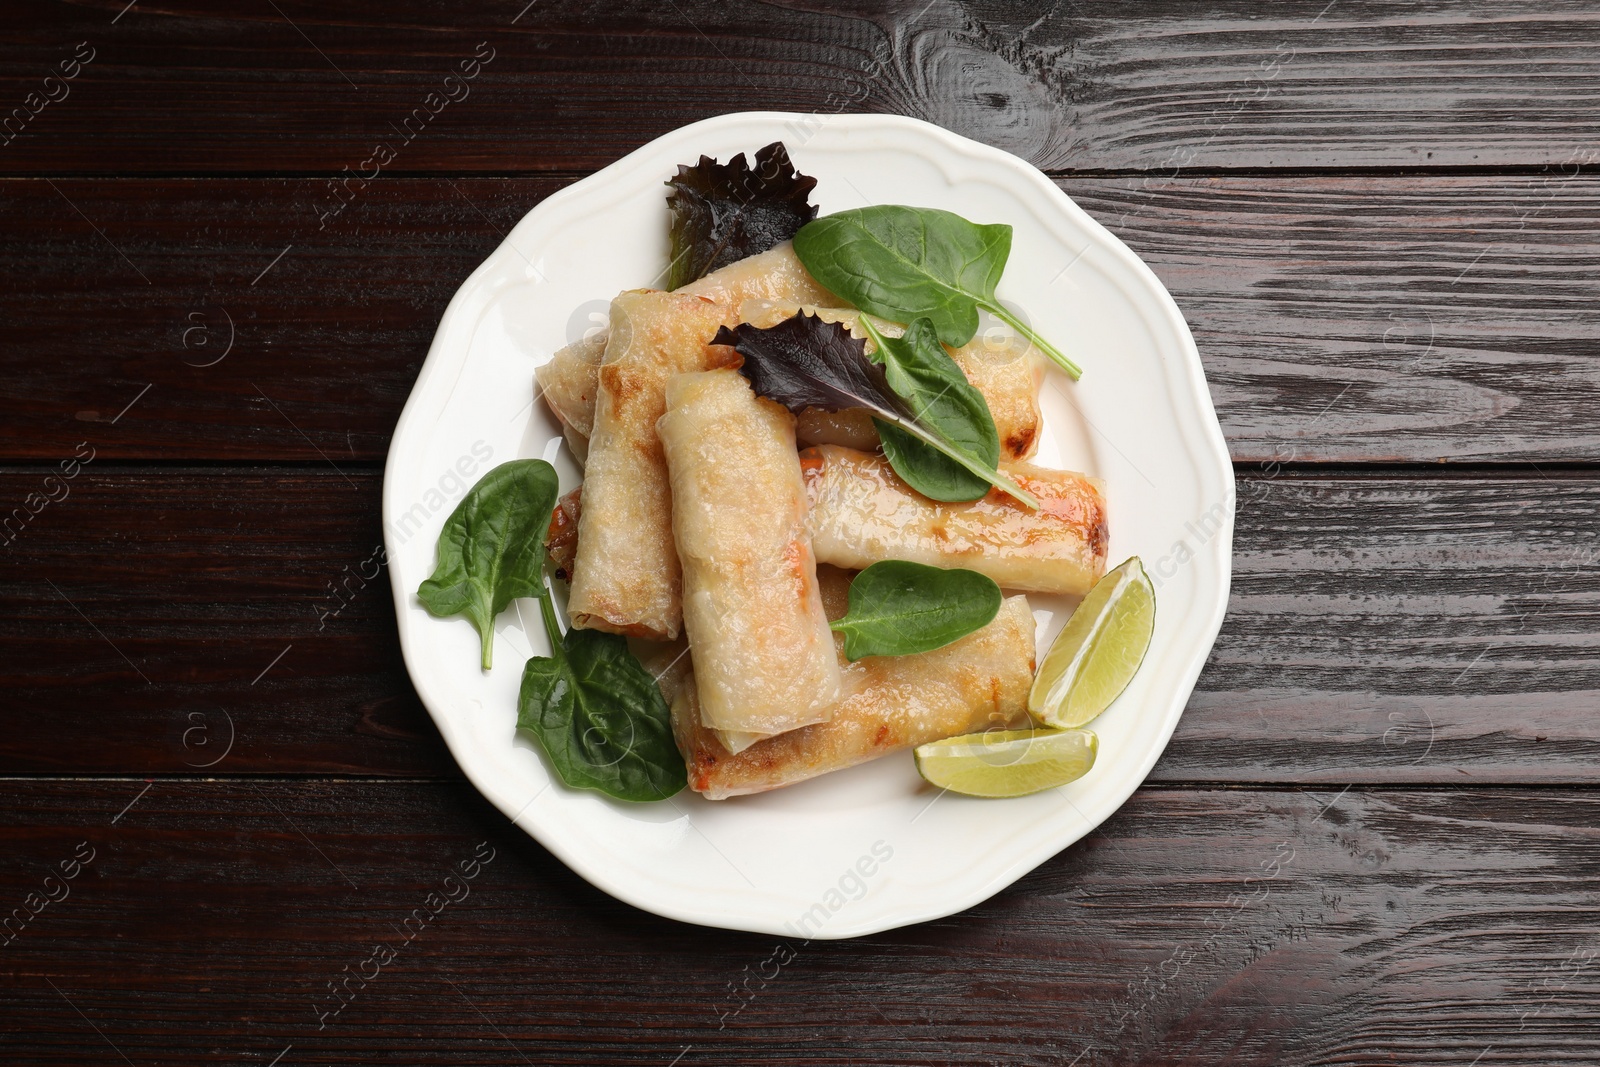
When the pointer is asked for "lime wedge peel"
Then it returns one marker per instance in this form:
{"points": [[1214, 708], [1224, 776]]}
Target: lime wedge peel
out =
{"points": [[1008, 763], [1099, 650]]}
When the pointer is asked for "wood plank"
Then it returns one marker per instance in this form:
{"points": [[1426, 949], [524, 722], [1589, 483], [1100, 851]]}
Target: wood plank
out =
{"points": [[1400, 629], [223, 620], [188, 86], [1410, 629], [1340, 319], [1281, 928], [1368, 320], [258, 335]]}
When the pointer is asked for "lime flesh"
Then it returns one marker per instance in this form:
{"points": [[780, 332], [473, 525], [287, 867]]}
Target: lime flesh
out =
{"points": [[1007, 763], [1097, 652]]}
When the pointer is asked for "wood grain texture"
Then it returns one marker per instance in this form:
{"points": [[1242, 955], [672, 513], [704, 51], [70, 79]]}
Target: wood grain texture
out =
{"points": [[1394, 319], [1409, 629], [260, 333], [1274, 928], [197, 87], [1401, 629], [1372, 839], [1340, 319], [219, 621]]}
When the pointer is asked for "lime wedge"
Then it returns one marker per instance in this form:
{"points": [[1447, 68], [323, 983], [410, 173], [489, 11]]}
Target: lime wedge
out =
{"points": [[1007, 763], [1098, 651]]}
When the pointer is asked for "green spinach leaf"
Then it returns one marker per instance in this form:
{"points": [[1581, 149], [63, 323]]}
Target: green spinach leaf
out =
{"points": [[491, 549], [599, 715], [898, 608], [596, 711], [940, 397], [803, 362], [903, 263]]}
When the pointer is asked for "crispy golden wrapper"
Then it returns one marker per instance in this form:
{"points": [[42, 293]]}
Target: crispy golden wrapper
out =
{"points": [[776, 274], [861, 513], [569, 382], [888, 704], [763, 654], [626, 578]]}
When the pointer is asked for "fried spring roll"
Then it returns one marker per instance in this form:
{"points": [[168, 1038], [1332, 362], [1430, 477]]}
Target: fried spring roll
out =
{"points": [[625, 577], [569, 382], [776, 274], [861, 512], [667, 661], [834, 584], [1006, 370], [889, 703], [763, 654]]}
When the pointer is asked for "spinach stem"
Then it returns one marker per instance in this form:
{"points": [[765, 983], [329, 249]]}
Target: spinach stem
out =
{"points": [[547, 610], [991, 475], [1073, 370]]}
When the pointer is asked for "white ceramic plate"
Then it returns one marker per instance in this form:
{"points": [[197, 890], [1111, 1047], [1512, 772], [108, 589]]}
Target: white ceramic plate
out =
{"points": [[874, 847]]}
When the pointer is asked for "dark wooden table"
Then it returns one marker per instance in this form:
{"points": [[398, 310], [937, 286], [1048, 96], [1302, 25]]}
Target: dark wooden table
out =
{"points": [[1376, 835]]}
